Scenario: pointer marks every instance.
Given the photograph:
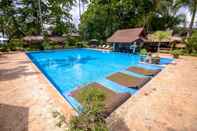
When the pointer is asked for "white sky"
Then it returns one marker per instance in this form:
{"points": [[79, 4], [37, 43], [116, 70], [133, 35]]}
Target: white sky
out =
{"points": [[188, 16], [75, 13]]}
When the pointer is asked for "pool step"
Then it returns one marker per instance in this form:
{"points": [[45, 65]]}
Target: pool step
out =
{"points": [[116, 87], [149, 66], [134, 74]]}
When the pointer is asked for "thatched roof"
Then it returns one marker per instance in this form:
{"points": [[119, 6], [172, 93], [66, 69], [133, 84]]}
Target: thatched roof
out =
{"points": [[176, 39], [126, 35], [151, 38], [170, 39], [57, 39], [33, 39], [39, 39], [180, 45], [72, 34]]}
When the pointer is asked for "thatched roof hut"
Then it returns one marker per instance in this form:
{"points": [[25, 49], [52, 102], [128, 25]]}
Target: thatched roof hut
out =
{"points": [[40, 39], [33, 39], [126, 35]]}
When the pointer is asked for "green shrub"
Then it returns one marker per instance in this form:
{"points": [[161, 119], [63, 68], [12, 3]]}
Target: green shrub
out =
{"points": [[176, 53], [82, 44], [46, 45], [60, 119], [15, 44], [143, 51], [191, 44], [4, 48], [33, 47], [165, 51], [71, 42], [66, 45], [91, 118]]}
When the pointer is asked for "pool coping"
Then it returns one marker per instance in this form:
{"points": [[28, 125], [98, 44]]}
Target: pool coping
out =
{"points": [[53, 91]]}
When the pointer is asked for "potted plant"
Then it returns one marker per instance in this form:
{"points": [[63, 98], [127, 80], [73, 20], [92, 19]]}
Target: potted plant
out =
{"points": [[143, 53]]}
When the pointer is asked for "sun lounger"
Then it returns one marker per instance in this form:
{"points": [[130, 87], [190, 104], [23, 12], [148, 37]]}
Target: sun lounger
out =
{"points": [[143, 71], [128, 80], [112, 100], [103, 46], [107, 46]]}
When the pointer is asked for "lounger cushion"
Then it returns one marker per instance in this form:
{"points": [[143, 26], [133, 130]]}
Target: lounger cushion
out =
{"points": [[143, 71], [128, 80], [112, 100]]}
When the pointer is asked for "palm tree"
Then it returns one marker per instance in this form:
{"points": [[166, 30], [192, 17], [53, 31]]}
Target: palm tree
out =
{"points": [[79, 2], [40, 16], [152, 8], [192, 6]]}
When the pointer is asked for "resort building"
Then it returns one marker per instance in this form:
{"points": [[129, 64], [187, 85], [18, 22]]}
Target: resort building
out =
{"points": [[127, 40], [131, 40]]}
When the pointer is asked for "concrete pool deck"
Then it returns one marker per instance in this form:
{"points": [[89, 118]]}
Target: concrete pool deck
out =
{"points": [[27, 100], [168, 102]]}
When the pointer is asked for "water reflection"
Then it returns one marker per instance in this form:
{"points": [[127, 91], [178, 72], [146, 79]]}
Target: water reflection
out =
{"points": [[68, 61]]}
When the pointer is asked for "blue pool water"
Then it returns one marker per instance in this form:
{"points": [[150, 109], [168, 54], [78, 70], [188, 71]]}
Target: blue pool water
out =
{"points": [[69, 69]]}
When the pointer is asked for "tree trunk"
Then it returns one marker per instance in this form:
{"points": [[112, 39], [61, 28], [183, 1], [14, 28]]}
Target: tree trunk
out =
{"points": [[158, 48], [110, 16], [79, 9], [40, 17], [192, 20]]}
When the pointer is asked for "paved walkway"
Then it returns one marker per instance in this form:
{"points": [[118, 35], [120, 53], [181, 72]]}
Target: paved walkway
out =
{"points": [[25, 101], [167, 103]]}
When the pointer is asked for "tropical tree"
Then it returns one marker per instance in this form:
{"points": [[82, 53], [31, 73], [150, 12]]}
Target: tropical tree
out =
{"points": [[191, 43], [161, 36], [162, 11], [27, 17], [59, 16], [192, 6], [9, 19], [30, 16], [103, 17]]}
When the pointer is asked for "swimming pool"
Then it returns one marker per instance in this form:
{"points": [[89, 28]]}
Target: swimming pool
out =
{"points": [[72, 68]]}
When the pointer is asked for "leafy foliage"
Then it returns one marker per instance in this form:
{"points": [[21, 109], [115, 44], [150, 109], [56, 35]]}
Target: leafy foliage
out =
{"points": [[13, 45], [70, 42], [143, 52], [82, 44], [191, 43], [23, 18], [91, 118], [176, 53], [46, 44], [103, 17]]}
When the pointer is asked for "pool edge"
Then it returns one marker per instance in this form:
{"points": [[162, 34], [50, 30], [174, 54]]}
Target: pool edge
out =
{"points": [[64, 104]]}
